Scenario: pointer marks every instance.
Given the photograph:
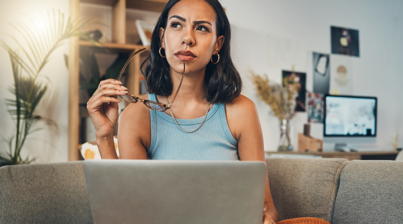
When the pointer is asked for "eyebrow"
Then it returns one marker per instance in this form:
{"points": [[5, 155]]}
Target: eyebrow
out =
{"points": [[184, 20]]}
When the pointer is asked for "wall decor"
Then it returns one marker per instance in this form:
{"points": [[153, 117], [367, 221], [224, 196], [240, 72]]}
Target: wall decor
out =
{"points": [[315, 107], [321, 72], [341, 75], [299, 79], [344, 41]]}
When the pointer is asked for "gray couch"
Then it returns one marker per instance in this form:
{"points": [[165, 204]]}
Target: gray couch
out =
{"points": [[337, 190]]}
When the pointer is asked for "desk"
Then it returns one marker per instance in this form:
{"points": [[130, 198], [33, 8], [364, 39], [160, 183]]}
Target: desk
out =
{"points": [[381, 155]]}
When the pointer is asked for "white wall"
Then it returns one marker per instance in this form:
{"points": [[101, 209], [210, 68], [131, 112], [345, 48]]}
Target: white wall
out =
{"points": [[47, 145], [377, 72]]}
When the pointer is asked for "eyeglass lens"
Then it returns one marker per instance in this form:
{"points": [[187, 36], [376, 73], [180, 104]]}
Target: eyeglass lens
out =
{"points": [[150, 104]]}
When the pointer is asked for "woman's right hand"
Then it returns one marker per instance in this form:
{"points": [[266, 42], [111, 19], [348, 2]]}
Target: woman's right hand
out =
{"points": [[103, 107]]}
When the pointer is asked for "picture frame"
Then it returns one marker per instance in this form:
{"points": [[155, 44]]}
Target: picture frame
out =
{"points": [[300, 78], [145, 30], [345, 41]]}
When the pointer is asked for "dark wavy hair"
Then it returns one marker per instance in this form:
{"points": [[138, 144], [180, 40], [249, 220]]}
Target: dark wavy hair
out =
{"points": [[223, 82]]}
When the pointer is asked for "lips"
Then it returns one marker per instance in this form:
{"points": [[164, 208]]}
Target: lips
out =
{"points": [[185, 55]]}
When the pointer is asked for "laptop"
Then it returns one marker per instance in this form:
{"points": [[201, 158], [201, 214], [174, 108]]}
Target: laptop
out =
{"points": [[165, 192]]}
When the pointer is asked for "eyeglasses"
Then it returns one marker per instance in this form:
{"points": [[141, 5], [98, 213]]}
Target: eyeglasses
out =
{"points": [[149, 103]]}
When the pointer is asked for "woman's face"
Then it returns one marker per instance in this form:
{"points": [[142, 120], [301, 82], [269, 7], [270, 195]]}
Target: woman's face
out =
{"points": [[190, 36]]}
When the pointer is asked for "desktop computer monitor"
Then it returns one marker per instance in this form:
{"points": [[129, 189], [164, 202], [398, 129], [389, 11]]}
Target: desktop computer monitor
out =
{"points": [[349, 120]]}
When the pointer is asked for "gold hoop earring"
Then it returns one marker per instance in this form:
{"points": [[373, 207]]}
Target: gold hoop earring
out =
{"points": [[216, 61], [161, 54]]}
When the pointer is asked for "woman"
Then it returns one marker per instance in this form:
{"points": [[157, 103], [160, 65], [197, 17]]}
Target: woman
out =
{"points": [[192, 37]]}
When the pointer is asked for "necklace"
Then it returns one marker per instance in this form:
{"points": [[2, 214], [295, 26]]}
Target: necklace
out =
{"points": [[172, 114]]}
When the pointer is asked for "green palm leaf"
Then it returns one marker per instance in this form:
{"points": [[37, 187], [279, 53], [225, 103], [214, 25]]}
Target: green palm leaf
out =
{"points": [[35, 45]]}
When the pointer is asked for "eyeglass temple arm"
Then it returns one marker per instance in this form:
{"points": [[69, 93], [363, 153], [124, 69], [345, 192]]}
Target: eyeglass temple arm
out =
{"points": [[180, 83], [128, 61]]}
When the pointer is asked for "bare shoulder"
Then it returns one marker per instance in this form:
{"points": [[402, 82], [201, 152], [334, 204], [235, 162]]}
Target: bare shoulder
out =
{"points": [[241, 113], [135, 113], [134, 129], [241, 105]]}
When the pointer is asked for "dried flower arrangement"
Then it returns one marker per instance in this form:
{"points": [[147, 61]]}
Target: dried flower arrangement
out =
{"points": [[281, 99]]}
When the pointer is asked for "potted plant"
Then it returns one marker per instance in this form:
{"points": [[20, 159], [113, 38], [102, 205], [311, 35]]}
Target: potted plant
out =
{"points": [[33, 54]]}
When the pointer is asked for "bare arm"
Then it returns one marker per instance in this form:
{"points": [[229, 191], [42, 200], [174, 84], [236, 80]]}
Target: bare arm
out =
{"points": [[134, 132], [244, 124], [103, 110], [134, 126]]}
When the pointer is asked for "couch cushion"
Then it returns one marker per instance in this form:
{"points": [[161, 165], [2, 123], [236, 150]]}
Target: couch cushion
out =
{"points": [[45, 193], [304, 187], [370, 192]]}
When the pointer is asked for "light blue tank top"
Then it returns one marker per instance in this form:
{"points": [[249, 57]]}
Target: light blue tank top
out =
{"points": [[213, 141]]}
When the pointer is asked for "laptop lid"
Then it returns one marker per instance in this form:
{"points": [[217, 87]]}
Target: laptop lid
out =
{"points": [[156, 192]]}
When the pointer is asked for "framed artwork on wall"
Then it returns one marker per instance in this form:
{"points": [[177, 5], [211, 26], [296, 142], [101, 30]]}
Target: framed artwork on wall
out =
{"points": [[345, 41], [321, 72], [299, 78], [315, 107], [341, 75]]}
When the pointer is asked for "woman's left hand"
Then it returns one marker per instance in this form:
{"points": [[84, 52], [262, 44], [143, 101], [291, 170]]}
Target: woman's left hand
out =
{"points": [[267, 218]]}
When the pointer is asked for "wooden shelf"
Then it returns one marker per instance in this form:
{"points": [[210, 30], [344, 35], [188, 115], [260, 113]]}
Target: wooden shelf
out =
{"points": [[100, 2], [113, 46], [118, 45], [148, 5]]}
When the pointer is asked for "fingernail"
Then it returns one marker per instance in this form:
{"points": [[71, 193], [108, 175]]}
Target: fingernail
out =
{"points": [[123, 91], [117, 81]]}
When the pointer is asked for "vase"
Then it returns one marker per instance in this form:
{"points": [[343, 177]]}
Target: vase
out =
{"points": [[285, 140]]}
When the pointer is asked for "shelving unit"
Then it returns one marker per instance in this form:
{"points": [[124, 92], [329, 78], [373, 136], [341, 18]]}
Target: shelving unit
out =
{"points": [[119, 45]]}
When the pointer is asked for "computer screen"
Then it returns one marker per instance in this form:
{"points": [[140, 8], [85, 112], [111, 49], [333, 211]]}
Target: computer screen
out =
{"points": [[349, 116]]}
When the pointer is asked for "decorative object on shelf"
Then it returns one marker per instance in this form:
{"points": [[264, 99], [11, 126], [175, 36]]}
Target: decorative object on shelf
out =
{"points": [[89, 150], [285, 140], [35, 48], [395, 142], [307, 129], [94, 35], [281, 100], [309, 144], [145, 30]]}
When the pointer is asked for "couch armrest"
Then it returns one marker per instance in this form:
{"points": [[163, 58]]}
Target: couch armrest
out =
{"points": [[304, 187], [44, 193], [370, 192]]}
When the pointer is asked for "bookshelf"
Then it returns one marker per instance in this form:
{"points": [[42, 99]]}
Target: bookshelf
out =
{"points": [[118, 42]]}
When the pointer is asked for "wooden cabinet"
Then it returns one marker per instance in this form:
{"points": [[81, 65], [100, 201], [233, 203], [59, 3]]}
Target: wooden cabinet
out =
{"points": [[118, 43]]}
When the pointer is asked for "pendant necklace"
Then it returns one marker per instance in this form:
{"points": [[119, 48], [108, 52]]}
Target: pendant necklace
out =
{"points": [[172, 114]]}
